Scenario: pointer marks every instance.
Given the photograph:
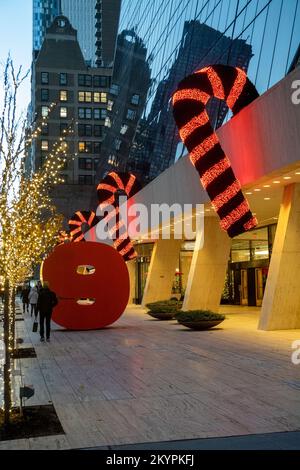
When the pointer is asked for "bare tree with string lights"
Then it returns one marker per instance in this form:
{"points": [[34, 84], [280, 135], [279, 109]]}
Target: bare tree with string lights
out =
{"points": [[29, 222]]}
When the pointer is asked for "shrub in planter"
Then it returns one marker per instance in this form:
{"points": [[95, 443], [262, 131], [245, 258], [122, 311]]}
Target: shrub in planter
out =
{"points": [[199, 319], [162, 310]]}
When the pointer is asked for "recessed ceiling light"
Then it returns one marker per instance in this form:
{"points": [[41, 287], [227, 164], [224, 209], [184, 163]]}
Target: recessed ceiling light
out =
{"points": [[249, 193], [267, 186], [207, 210], [297, 173], [276, 182], [257, 190], [267, 198], [287, 178]]}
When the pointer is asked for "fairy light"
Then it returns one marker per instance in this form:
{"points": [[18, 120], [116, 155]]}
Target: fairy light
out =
{"points": [[29, 223]]}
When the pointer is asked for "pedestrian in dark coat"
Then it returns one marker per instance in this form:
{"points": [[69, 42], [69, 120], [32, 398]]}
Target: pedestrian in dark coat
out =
{"points": [[47, 300], [25, 298]]}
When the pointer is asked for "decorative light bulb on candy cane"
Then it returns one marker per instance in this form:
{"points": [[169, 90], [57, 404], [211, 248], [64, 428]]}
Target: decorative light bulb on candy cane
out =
{"points": [[231, 85], [108, 190]]}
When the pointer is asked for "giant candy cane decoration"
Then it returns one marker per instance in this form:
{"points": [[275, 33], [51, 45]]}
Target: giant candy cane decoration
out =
{"points": [[217, 177], [107, 195]]}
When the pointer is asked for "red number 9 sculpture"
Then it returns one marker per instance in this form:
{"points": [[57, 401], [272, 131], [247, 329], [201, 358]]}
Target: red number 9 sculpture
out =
{"points": [[231, 85]]}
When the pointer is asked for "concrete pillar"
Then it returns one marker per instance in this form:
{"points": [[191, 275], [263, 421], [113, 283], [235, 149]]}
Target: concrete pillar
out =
{"points": [[281, 303], [164, 261], [131, 266], [208, 268]]}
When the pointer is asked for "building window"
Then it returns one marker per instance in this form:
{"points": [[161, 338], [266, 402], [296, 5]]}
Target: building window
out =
{"points": [[45, 111], [97, 97], [85, 96], [85, 147], [88, 113], [96, 163], [97, 147], [65, 178], [63, 128], [85, 179], [63, 112], [130, 114], [124, 129], [85, 164], [118, 143], [88, 80], [81, 147], [63, 79], [103, 97], [98, 131], [44, 94], [114, 89], [100, 113], [63, 95], [84, 113], [100, 81], [88, 96], [81, 96], [110, 105], [45, 145], [85, 130], [135, 99], [84, 80], [81, 80], [45, 78], [107, 122], [81, 113], [45, 128]]}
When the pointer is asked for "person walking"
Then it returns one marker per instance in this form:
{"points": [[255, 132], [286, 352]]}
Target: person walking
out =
{"points": [[25, 298], [47, 300], [33, 298]]}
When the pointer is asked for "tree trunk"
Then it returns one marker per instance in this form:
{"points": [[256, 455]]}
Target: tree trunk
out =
{"points": [[12, 319], [7, 364]]}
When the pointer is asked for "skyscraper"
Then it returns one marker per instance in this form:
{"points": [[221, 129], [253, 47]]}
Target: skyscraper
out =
{"points": [[194, 52], [60, 75], [96, 22], [44, 12]]}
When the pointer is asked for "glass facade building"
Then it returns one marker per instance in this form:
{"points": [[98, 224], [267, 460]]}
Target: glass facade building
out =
{"points": [[44, 12], [261, 36]]}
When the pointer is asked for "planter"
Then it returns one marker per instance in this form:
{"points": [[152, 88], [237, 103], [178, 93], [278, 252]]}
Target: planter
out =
{"points": [[201, 325], [162, 315]]}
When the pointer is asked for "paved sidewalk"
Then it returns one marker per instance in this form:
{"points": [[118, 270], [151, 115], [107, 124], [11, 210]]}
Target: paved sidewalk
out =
{"points": [[144, 381]]}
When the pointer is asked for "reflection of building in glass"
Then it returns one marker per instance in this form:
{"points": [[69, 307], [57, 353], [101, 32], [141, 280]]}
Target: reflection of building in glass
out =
{"points": [[130, 85], [96, 22], [266, 29], [195, 52]]}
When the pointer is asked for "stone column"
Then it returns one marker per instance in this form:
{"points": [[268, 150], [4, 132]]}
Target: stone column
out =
{"points": [[131, 266], [281, 303], [164, 261], [208, 268]]}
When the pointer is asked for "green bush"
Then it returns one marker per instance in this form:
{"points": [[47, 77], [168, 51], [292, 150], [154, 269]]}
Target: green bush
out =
{"points": [[198, 315], [162, 304], [163, 308]]}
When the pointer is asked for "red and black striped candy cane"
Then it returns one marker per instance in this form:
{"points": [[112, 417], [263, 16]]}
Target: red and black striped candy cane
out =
{"points": [[77, 221], [231, 85], [113, 185]]}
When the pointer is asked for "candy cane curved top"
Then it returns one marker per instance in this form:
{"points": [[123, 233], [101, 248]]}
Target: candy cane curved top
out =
{"points": [[107, 191], [231, 85], [77, 221]]}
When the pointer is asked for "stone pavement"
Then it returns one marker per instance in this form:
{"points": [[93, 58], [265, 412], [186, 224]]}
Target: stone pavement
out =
{"points": [[144, 381]]}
